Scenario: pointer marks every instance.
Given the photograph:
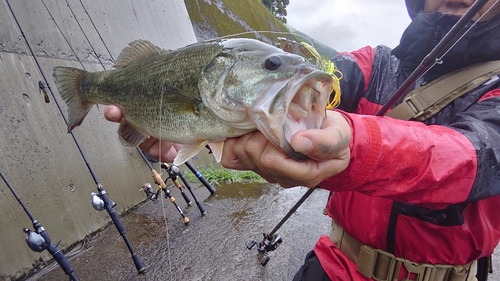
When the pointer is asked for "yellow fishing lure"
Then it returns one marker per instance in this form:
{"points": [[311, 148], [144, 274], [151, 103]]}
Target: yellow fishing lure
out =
{"points": [[310, 53]]}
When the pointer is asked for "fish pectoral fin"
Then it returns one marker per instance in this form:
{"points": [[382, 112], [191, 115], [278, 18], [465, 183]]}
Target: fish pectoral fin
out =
{"points": [[137, 51], [188, 151], [129, 135], [216, 148]]}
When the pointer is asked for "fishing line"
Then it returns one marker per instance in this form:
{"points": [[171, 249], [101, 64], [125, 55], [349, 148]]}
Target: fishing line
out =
{"points": [[433, 57], [467, 31], [12, 212], [261, 31], [439, 60], [162, 198], [84, 34], [97, 31], [59, 28], [272, 240], [307, 51], [108, 204], [167, 236], [83, 66], [7, 201], [39, 240], [111, 56]]}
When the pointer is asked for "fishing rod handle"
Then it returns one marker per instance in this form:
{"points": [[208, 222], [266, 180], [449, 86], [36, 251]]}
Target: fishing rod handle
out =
{"points": [[202, 210], [200, 177], [179, 186], [109, 206], [186, 198], [186, 183], [172, 199], [61, 259], [121, 229], [157, 179], [56, 253]]}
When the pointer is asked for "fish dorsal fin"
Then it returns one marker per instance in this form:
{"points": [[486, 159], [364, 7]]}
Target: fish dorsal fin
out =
{"points": [[188, 151], [216, 148], [137, 51]]}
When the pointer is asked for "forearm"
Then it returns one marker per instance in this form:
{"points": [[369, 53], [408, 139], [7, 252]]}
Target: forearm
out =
{"points": [[407, 161]]}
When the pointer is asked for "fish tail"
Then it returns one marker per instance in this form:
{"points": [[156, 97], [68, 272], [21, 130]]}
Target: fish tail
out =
{"points": [[68, 81]]}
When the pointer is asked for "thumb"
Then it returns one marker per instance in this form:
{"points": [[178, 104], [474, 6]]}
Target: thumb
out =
{"points": [[315, 144], [112, 113], [329, 142]]}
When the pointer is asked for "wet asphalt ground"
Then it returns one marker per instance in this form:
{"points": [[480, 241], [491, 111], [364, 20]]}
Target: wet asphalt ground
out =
{"points": [[209, 247]]}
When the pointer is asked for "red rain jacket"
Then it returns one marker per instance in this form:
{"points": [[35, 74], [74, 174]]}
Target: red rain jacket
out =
{"points": [[424, 191]]}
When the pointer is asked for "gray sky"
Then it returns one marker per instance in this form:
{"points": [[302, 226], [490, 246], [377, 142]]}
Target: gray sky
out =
{"points": [[347, 25]]}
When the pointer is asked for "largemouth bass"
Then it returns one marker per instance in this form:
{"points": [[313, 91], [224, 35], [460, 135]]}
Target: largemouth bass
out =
{"points": [[202, 94]]}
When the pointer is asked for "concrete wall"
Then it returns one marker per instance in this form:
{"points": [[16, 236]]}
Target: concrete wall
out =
{"points": [[37, 156]]}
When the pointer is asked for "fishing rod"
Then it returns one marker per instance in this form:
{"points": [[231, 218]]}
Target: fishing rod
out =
{"points": [[174, 172], [434, 57], [200, 177], [161, 187], [39, 240], [99, 200], [186, 183], [271, 240]]}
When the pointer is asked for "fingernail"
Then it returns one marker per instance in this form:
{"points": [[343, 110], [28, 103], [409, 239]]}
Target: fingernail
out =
{"points": [[114, 113], [303, 144]]}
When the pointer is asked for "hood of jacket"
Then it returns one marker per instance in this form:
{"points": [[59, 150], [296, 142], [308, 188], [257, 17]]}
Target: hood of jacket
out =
{"points": [[481, 43]]}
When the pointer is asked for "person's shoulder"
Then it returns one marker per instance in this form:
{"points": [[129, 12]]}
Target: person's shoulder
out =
{"points": [[366, 51]]}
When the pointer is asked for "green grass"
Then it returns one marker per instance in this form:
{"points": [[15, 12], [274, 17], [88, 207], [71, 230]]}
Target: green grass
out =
{"points": [[251, 12], [216, 176], [239, 16]]}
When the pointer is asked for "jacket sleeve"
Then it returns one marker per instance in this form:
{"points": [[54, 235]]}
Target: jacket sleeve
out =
{"points": [[430, 165], [356, 70]]}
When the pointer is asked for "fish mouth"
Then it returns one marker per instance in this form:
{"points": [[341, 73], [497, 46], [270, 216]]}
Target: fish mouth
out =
{"points": [[299, 105]]}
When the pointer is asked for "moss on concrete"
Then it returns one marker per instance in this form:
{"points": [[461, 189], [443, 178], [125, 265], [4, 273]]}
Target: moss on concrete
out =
{"points": [[216, 18]]}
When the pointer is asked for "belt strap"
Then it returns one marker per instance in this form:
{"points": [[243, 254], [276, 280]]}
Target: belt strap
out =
{"points": [[384, 266]]}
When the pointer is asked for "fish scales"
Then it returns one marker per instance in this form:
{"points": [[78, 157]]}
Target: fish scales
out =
{"points": [[160, 84], [202, 93]]}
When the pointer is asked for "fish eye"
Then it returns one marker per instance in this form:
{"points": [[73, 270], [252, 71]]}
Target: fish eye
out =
{"points": [[272, 63]]}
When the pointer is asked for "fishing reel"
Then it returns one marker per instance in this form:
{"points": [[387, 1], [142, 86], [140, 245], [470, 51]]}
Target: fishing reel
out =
{"points": [[35, 241], [269, 243], [148, 189], [172, 170], [98, 203]]}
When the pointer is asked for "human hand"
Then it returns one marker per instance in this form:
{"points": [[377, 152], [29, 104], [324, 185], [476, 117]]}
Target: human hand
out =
{"points": [[327, 149], [151, 145]]}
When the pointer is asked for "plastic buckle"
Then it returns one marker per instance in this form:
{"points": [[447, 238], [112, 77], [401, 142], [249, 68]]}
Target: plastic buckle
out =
{"points": [[426, 272], [391, 269], [413, 107]]}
